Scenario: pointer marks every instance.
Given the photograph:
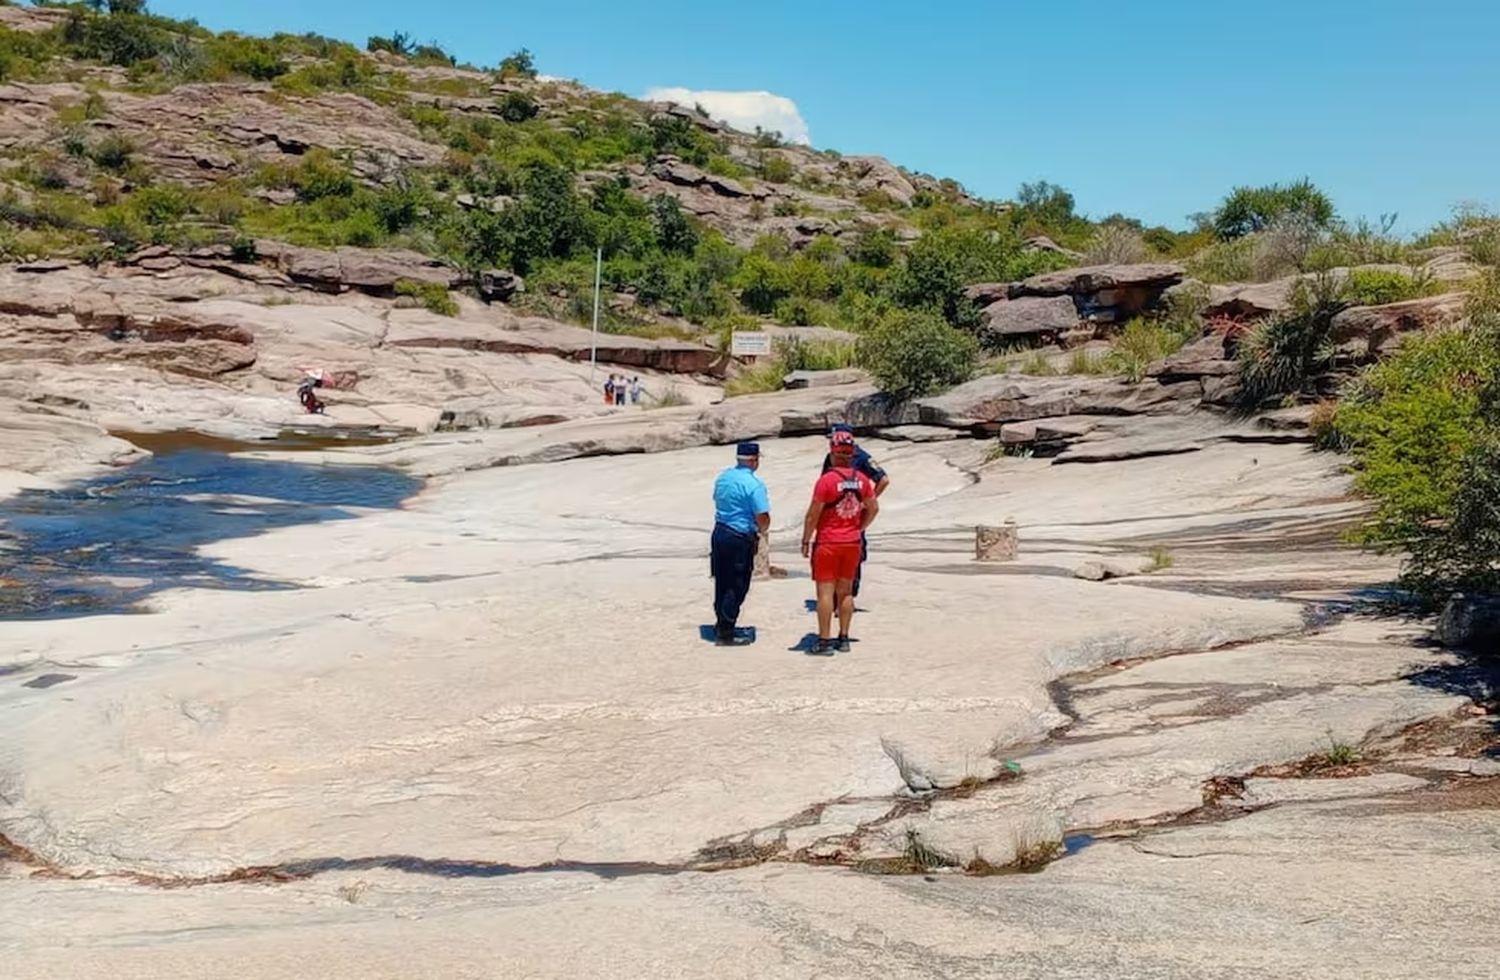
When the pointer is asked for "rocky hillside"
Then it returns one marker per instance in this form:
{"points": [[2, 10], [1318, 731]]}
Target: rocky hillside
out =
{"points": [[190, 222]]}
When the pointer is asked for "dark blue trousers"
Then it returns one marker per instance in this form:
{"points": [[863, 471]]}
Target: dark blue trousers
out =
{"points": [[731, 561]]}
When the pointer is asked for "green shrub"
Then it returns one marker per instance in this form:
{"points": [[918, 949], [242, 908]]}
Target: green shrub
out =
{"points": [[777, 169], [1375, 287], [1139, 345], [797, 354], [722, 166], [160, 205], [757, 379], [255, 58], [1279, 355], [1252, 209], [913, 353], [399, 43], [517, 107], [1038, 365], [432, 295], [320, 174], [112, 152], [519, 64], [1424, 430], [673, 231]]}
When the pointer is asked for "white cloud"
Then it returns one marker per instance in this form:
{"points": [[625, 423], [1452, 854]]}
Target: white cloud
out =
{"points": [[743, 110]]}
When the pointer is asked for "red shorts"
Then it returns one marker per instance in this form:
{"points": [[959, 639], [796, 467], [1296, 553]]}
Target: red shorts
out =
{"points": [[835, 562]]}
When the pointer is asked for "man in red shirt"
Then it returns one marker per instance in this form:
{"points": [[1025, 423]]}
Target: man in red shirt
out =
{"points": [[843, 505]]}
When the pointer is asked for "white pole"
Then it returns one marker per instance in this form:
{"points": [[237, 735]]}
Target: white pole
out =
{"points": [[594, 341]]}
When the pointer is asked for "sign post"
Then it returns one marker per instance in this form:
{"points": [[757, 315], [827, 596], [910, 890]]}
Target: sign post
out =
{"points": [[594, 339], [750, 343]]}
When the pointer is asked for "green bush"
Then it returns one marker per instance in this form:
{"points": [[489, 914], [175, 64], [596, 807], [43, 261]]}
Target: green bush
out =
{"points": [[1252, 209], [123, 39], [320, 174], [912, 353], [1279, 355], [252, 57], [777, 169], [112, 152], [517, 107], [1424, 430], [1375, 287], [432, 295], [797, 354], [399, 43], [1139, 345], [518, 63]]}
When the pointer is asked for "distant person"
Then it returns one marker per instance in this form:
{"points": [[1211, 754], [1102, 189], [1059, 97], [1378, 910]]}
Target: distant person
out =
{"points": [[742, 513], [620, 389], [866, 465], [843, 505], [637, 390], [609, 390], [311, 403]]}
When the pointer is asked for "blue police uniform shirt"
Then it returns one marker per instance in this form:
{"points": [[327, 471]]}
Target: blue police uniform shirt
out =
{"points": [[862, 463], [739, 495]]}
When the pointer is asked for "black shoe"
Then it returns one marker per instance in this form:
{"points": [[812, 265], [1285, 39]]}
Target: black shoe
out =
{"points": [[733, 640], [822, 648], [843, 644]]}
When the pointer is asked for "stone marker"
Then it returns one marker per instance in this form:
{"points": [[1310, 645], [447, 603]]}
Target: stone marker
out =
{"points": [[995, 543]]}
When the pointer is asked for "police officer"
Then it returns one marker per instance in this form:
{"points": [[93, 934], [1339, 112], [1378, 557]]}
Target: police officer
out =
{"points": [[742, 512], [863, 463]]}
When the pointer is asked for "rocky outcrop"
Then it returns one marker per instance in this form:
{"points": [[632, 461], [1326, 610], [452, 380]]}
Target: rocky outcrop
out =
{"points": [[411, 329], [1371, 330], [373, 271], [986, 405], [1090, 280], [1030, 316], [824, 379], [676, 171], [879, 175], [1072, 304], [1207, 357], [499, 285]]}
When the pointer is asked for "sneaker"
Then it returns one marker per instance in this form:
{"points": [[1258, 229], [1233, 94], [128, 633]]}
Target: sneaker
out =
{"points": [[732, 640], [843, 644], [822, 648]]}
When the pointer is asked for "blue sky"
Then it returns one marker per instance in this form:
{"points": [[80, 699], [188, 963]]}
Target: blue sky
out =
{"points": [[1149, 107]]}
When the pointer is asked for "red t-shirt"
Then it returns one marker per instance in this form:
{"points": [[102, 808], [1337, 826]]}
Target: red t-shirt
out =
{"points": [[843, 491]]}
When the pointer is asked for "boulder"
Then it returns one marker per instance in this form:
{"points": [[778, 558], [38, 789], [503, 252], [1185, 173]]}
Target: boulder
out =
{"points": [[985, 293], [1471, 623], [1028, 316], [1093, 279], [532, 335], [499, 285], [1206, 357], [824, 379], [1447, 263], [1100, 571], [1047, 430], [676, 171], [375, 271], [879, 174], [987, 404], [1372, 327]]}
